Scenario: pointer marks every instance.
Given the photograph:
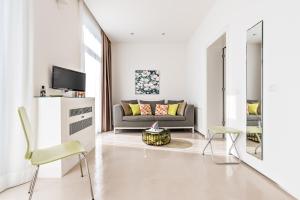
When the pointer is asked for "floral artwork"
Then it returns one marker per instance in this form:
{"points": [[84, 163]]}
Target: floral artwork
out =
{"points": [[146, 82]]}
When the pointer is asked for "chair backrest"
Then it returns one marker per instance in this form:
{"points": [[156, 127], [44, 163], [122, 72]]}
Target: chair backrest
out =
{"points": [[27, 130]]}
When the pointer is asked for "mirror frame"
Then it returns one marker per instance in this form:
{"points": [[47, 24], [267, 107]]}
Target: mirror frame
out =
{"points": [[262, 87]]}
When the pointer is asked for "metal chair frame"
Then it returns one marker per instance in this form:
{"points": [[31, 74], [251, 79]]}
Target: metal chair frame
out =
{"points": [[233, 140], [82, 154]]}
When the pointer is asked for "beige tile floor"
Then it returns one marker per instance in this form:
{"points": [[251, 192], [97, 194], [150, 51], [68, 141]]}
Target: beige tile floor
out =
{"points": [[251, 146], [123, 168]]}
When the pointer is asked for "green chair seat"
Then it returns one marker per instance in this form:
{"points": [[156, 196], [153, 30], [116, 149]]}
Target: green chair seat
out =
{"points": [[224, 130], [47, 155]]}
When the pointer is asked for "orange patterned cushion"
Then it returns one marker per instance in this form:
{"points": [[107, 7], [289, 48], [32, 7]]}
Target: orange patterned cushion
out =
{"points": [[145, 109], [161, 109]]}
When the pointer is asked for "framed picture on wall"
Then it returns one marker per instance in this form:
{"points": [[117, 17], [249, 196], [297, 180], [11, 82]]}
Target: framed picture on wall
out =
{"points": [[147, 82]]}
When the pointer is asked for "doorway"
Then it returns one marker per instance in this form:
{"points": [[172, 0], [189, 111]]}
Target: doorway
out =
{"points": [[216, 83]]}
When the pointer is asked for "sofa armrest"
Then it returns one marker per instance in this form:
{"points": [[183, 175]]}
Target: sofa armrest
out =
{"points": [[117, 114], [189, 114]]}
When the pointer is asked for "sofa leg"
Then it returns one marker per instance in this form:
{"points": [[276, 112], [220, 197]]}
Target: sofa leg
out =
{"points": [[115, 130], [193, 130]]}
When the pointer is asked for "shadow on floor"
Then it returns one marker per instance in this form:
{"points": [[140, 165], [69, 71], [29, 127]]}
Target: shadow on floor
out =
{"points": [[179, 144]]}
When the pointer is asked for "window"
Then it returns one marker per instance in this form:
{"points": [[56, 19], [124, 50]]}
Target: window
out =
{"points": [[92, 63]]}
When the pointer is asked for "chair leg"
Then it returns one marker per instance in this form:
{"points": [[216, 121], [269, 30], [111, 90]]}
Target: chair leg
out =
{"points": [[256, 148], [88, 171], [80, 165], [30, 187], [33, 182]]}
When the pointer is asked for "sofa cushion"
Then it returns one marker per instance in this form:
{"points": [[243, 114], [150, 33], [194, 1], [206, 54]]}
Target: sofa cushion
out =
{"points": [[139, 118], [161, 109], [152, 104], [145, 109], [126, 108], [172, 109], [181, 108], [135, 109], [169, 118], [253, 108], [175, 101], [250, 101], [253, 117]]}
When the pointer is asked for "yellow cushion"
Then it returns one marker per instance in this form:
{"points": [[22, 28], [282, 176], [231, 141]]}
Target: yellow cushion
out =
{"points": [[135, 109], [172, 109], [253, 108]]}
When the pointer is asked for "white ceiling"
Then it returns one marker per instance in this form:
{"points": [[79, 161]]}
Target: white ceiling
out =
{"points": [[148, 19]]}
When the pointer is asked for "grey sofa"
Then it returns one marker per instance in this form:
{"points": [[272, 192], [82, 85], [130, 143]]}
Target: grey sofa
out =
{"points": [[254, 120], [121, 121]]}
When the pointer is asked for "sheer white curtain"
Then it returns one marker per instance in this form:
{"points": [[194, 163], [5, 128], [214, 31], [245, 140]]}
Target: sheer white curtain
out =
{"points": [[15, 90], [92, 60]]}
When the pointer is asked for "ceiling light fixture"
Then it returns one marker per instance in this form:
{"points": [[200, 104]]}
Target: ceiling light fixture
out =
{"points": [[132, 33], [163, 33]]}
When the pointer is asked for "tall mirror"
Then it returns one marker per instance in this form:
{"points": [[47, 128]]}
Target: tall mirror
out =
{"points": [[255, 90]]}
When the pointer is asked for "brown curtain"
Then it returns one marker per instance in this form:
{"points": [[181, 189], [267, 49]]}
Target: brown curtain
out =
{"points": [[106, 111]]}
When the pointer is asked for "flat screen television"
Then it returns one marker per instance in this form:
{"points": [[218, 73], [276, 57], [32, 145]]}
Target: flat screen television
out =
{"points": [[67, 79]]}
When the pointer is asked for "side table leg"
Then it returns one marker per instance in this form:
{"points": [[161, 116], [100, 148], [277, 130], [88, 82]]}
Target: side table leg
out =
{"points": [[211, 147], [233, 145], [206, 146], [209, 141]]}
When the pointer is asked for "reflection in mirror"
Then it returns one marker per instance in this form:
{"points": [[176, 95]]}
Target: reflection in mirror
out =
{"points": [[254, 91]]}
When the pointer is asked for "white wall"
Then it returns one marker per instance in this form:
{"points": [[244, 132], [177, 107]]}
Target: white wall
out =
{"points": [[169, 59], [56, 39], [253, 71], [215, 82], [281, 79]]}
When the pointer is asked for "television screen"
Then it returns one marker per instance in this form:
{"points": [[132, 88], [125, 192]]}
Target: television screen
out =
{"points": [[67, 79]]}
